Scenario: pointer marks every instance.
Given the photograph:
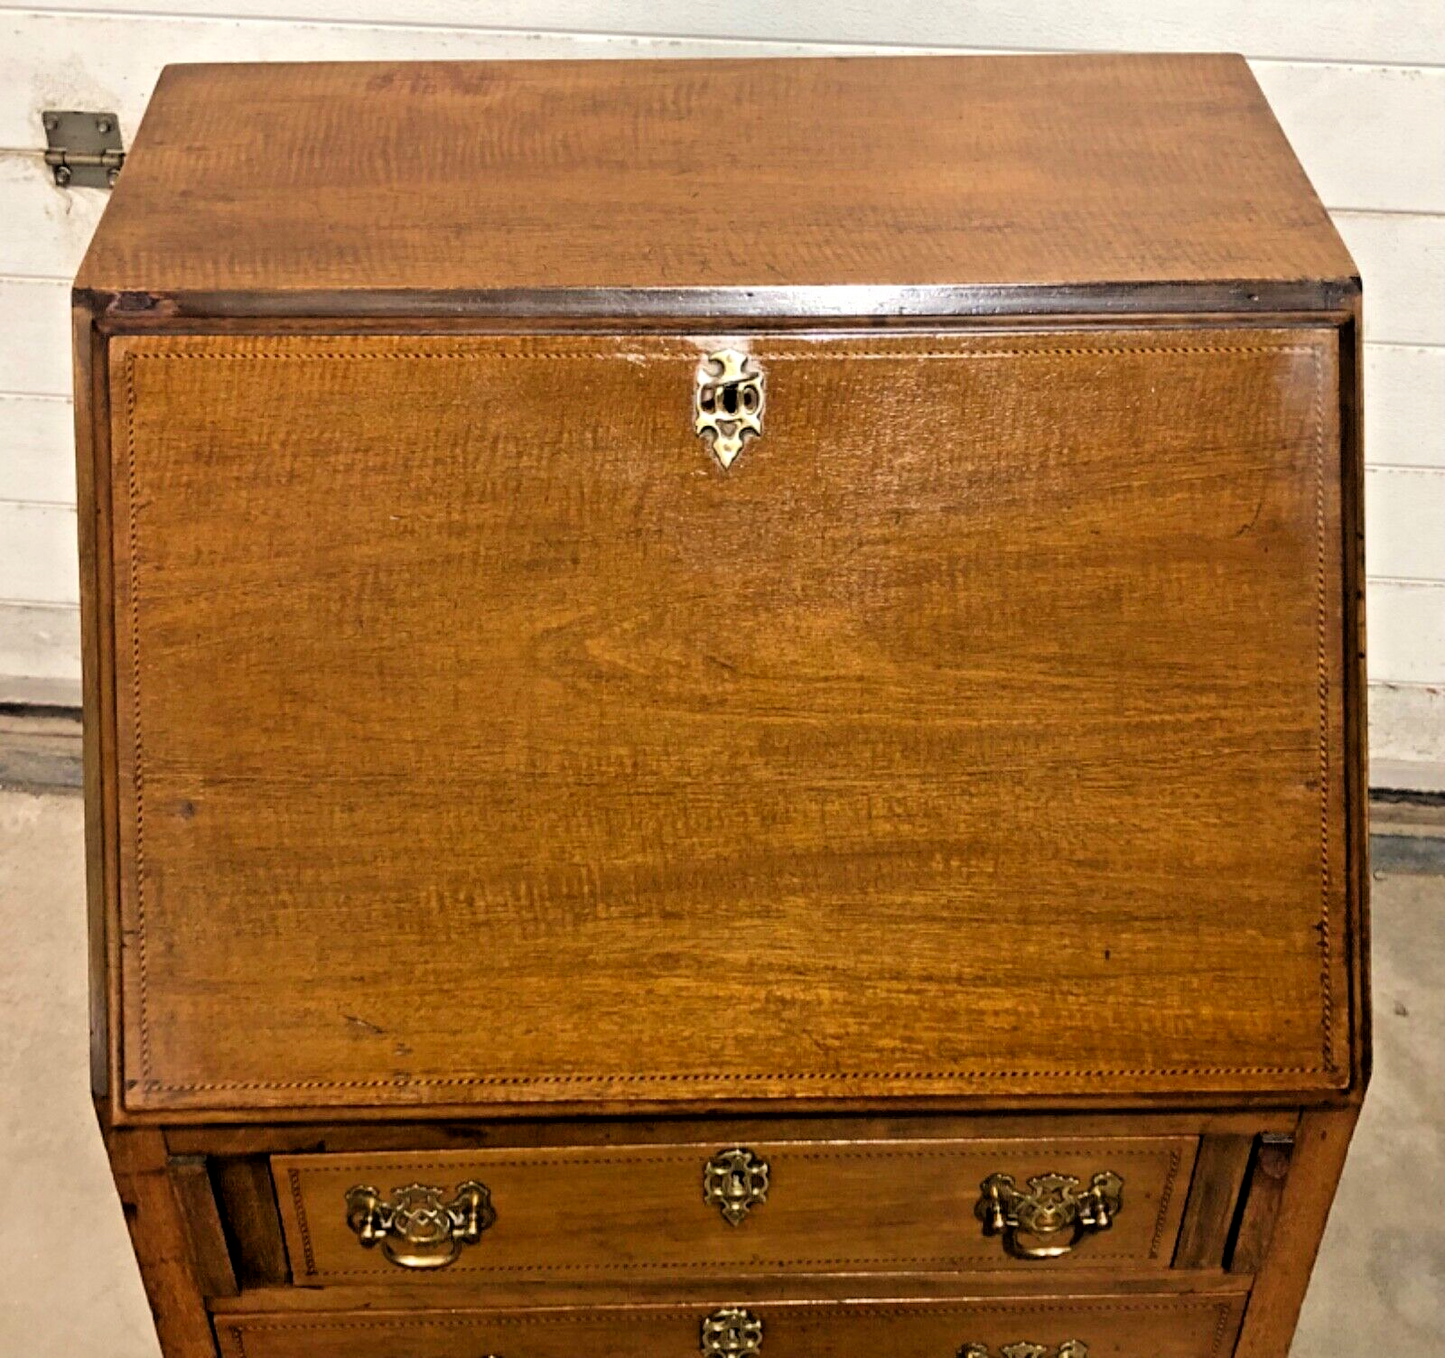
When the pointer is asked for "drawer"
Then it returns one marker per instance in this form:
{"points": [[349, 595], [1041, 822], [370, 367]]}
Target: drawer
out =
{"points": [[1198, 1325], [640, 1212], [969, 735]]}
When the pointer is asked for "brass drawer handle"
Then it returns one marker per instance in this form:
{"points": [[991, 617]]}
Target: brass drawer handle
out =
{"points": [[1070, 1348], [727, 402], [735, 1181], [731, 1331], [415, 1227], [1054, 1204]]}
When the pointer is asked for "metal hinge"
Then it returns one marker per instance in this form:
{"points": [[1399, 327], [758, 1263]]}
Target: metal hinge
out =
{"points": [[84, 149]]}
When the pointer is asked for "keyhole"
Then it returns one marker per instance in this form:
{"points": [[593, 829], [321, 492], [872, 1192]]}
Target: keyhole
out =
{"points": [[730, 400]]}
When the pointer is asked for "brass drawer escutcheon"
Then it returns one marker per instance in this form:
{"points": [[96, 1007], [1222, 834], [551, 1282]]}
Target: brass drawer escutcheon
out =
{"points": [[735, 1181], [1054, 1204], [415, 1227], [1070, 1348], [731, 1331], [728, 402]]}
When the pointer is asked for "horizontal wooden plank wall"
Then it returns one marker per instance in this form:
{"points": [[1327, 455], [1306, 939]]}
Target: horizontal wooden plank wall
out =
{"points": [[1360, 88]]}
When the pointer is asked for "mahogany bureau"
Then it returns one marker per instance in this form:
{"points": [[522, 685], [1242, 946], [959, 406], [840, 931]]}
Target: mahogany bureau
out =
{"points": [[724, 709]]}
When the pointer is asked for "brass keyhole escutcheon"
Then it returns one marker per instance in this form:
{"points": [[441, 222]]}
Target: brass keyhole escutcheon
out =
{"points": [[735, 1181], [728, 400], [731, 1332]]}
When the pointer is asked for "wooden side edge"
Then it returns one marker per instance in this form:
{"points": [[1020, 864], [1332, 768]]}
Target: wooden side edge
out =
{"points": [[1279, 1289], [88, 541], [93, 519], [161, 1241]]}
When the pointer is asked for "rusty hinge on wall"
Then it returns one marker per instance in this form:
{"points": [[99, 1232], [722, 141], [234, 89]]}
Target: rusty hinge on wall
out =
{"points": [[83, 149]]}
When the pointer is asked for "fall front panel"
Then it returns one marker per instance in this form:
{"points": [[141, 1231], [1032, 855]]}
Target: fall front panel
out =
{"points": [[483, 739]]}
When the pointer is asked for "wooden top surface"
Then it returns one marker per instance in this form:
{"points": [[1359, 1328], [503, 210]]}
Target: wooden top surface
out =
{"points": [[812, 186]]}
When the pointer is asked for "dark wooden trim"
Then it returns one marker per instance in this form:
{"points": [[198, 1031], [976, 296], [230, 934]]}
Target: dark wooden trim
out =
{"points": [[1268, 1172], [247, 1197], [626, 1129], [90, 397], [735, 1108], [1356, 682], [202, 1219], [771, 303], [441, 1293], [845, 327], [1213, 1199]]}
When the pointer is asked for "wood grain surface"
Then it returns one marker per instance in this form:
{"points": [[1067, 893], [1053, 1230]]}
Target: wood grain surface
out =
{"points": [[837, 174], [1129, 1326], [480, 740], [631, 1212], [1293, 1237], [509, 1295]]}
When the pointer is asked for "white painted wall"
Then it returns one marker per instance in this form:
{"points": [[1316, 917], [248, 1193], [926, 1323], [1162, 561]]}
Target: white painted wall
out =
{"points": [[1358, 84]]}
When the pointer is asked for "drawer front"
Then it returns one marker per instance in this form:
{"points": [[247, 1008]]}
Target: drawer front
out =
{"points": [[482, 740], [728, 1326], [644, 1211]]}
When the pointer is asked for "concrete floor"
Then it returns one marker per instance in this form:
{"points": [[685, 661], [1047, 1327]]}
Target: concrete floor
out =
{"points": [[69, 1288]]}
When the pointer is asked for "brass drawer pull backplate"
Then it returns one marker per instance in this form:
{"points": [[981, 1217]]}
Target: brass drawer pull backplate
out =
{"points": [[415, 1227], [735, 1181], [731, 1331], [1031, 1223], [1070, 1348]]}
